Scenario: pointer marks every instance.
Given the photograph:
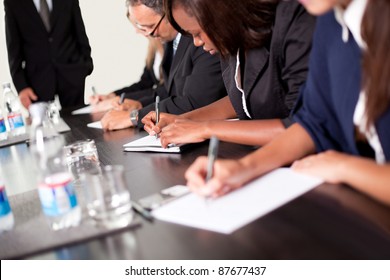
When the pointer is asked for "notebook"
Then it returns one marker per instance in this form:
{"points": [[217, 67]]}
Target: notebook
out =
{"points": [[84, 110], [150, 144]]}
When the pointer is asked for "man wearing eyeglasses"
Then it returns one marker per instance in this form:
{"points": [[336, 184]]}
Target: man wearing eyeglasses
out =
{"points": [[192, 76]]}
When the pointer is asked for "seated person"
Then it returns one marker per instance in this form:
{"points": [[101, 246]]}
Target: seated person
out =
{"points": [[192, 77], [264, 54], [342, 132]]}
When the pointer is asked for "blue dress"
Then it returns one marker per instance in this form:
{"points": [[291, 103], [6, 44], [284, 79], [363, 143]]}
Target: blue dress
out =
{"points": [[331, 92]]}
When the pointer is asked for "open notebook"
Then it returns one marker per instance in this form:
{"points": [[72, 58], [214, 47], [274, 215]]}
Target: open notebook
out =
{"points": [[150, 144]]}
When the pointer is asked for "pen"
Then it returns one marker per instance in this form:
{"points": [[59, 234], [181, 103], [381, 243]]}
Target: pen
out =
{"points": [[212, 155], [122, 98], [157, 109], [142, 211], [94, 94]]}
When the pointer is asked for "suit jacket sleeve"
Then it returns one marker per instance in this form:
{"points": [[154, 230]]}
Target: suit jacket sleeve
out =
{"points": [[16, 55], [296, 49], [81, 36], [201, 87]]}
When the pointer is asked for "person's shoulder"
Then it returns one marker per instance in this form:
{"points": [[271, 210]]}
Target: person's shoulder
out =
{"points": [[327, 24], [289, 8], [291, 13], [12, 3]]}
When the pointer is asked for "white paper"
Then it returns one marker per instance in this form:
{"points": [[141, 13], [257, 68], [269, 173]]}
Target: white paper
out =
{"points": [[238, 208], [84, 110], [97, 124], [149, 144]]}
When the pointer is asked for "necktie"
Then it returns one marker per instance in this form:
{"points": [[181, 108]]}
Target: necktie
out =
{"points": [[45, 14]]}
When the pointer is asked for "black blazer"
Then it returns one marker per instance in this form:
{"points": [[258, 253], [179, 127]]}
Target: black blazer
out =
{"points": [[38, 58], [273, 75], [194, 80]]}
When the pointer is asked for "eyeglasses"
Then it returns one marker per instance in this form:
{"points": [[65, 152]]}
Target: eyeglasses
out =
{"points": [[151, 33]]}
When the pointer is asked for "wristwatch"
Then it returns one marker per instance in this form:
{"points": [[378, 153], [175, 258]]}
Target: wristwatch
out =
{"points": [[134, 117]]}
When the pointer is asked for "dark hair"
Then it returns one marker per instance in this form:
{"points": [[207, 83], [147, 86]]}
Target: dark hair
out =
{"points": [[231, 25], [376, 59], [155, 5]]}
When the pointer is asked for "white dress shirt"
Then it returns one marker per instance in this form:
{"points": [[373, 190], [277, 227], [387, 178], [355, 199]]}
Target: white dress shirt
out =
{"points": [[38, 5]]}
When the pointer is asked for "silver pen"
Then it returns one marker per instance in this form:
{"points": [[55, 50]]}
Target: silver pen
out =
{"points": [[157, 110], [94, 93], [212, 156], [122, 98]]}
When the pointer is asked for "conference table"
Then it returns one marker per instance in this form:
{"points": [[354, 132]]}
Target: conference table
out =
{"points": [[328, 222]]}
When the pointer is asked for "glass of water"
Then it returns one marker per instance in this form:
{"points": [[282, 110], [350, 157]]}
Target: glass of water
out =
{"points": [[107, 197], [82, 156]]}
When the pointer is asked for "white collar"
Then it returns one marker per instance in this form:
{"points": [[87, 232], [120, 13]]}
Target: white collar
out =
{"points": [[350, 19], [176, 42]]}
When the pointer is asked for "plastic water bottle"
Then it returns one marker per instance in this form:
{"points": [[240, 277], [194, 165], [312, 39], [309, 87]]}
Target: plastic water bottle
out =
{"points": [[3, 128], [6, 216], [55, 183], [13, 111]]}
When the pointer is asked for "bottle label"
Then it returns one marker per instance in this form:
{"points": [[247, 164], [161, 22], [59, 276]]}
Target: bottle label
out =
{"points": [[15, 120], [57, 196], [5, 209], [2, 125]]}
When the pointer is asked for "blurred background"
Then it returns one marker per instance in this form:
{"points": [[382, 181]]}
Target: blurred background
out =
{"points": [[118, 52]]}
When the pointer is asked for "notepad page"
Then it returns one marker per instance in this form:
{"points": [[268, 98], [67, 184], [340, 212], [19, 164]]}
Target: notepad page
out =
{"points": [[84, 110], [97, 124], [149, 144], [236, 209]]}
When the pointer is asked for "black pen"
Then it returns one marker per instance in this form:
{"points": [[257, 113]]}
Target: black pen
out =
{"points": [[142, 211], [157, 109], [122, 98]]}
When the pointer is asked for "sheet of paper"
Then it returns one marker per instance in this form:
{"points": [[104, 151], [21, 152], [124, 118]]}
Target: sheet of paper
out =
{"points": [[96, 124], [84, 110], [149, 144], [238, 208]]}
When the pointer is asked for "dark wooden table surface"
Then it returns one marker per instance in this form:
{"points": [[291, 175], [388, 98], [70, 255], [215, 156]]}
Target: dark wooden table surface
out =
{"points": [[329, 222]]}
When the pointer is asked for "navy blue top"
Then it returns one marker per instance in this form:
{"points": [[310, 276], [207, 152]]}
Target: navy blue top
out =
{"points": [[332, 89]]}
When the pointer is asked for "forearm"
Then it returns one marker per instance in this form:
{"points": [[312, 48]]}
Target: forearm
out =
{"points": [[219, 110], [252, 132], [289, 146], [366, 176]]}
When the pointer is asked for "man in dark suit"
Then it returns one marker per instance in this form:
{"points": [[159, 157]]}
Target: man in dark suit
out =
{"points": [[192, 76], [48, 50]]}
